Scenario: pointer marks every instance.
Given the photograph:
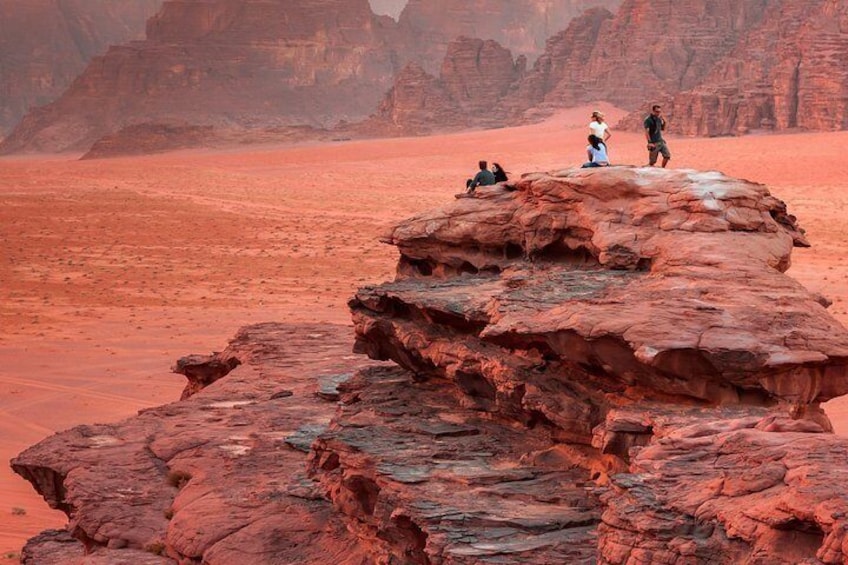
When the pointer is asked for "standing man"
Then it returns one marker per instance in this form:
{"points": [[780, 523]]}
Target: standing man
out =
{"points": [[654, 126], [598, 127]]}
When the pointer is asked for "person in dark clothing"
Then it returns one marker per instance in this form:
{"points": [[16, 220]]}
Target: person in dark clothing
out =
{"points": [[484, 177], [654, 126], [500, 174]]}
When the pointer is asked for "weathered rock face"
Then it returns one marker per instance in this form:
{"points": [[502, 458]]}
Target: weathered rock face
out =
{"points": [[639, 315], [788, 72], [231, 64], [739, 489], [594, 366], [475, 76], [656, 49], [45, 44], [416, 104], [218, 477], [522, 26], [147, 138], [719, 66], [697, 252], [646, 48], [559, 74]]}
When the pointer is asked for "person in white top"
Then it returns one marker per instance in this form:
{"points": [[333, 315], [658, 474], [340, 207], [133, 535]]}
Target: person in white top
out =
{"points": [[598, 127], [597, 153]]}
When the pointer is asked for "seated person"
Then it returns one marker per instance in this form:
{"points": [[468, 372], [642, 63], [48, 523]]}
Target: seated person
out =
{"points": [[484, 177], [500, 174], [597, 152]]}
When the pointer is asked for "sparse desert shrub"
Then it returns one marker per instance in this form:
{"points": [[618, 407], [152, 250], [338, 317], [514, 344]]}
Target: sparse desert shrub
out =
{"points": [[156, 548], [178, 479]]}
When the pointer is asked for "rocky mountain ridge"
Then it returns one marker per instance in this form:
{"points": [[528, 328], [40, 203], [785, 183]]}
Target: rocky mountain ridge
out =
{"points": [[277, 71], [719, 67], [262, 66], [45, 44]]}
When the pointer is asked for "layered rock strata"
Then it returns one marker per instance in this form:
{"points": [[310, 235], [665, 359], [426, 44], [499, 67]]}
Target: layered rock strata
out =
{"points": [[231, 64], [591, 366], [475, 76], [427, 27], [45, 44], [254, 65], [720, 67], [640, 320], [786, 73], [219, 477]]}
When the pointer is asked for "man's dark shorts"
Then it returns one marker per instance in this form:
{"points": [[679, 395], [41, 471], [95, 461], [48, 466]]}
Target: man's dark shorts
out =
{"points": [[659, 147]]}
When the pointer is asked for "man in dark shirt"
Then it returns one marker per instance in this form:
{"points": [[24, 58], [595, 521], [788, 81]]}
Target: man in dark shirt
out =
{"points": [[654, 126], [484, 177]]}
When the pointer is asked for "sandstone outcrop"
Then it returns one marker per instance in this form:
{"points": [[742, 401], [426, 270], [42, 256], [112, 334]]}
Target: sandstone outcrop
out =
{"points": [[590, 366], [229, 64], [219, 476], [631, 314], [45, 44]]}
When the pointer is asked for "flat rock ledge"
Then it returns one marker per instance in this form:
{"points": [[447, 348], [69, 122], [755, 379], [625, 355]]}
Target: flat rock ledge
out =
{"points": [[588, 366]]}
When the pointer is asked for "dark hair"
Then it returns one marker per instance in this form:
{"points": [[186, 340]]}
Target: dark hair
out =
{"points": [[655, 107], [483, 165], [596, 141]]}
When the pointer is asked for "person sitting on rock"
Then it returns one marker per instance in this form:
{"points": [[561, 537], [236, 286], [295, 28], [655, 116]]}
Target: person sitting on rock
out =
{"points": [[597, 152], [500, 174], [484, 177]]}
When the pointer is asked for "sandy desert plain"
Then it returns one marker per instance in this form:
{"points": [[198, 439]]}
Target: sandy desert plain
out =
{"points": [[112, 269]]}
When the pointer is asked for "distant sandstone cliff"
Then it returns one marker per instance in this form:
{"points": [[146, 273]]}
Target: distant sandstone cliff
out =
{"points": [[789, 72], [325, 68], [226, 63], [270, 64], [522, 26], [45, 44], [721, 67]]}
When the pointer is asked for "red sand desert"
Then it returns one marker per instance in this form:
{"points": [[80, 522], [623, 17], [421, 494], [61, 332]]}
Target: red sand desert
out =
{"points": [[110, 270]]}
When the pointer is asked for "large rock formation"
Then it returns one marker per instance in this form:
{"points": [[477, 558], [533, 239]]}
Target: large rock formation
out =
{"points": [[720, 66], [219, 476], [475, 76], [522, 26], [45, 44], [268, 65], [788, 72], [592, 366], [640, 320], [646, 49], [229, 64], [651, 50]]}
